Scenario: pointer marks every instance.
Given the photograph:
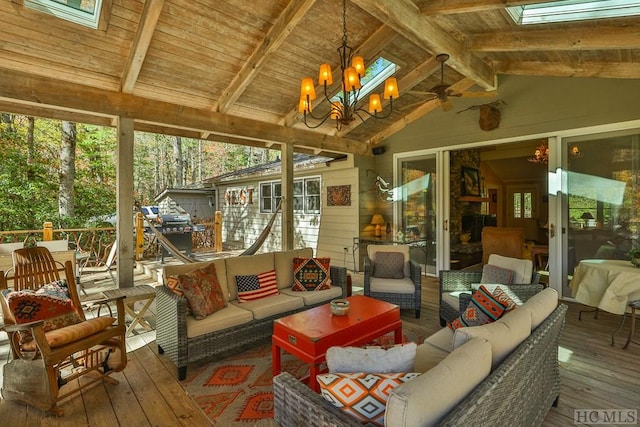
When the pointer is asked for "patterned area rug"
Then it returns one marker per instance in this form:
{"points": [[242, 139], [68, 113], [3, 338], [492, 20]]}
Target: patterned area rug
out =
{"points": [[238, 391]]}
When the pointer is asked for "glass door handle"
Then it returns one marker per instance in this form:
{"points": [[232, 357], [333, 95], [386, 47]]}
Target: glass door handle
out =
{"points": [[446, 225], [552, 230]]}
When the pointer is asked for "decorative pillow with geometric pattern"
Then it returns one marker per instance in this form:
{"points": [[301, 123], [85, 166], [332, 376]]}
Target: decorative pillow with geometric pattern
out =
{"points": [[50, 303], [388, 265], [311, 274], [362, 395], [503, 294], [484, 308]]}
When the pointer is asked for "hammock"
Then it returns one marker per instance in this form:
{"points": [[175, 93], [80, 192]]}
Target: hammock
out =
{"points": [[173, 250], [263, 236]]}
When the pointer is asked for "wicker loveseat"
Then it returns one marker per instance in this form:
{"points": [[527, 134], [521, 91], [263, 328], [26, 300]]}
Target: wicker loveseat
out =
{"points": [[517, 390], [184, 339]]}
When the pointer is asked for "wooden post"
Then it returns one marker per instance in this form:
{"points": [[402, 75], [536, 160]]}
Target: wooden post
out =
{"points": [[47, 231], [139, 236], [217, 232]]}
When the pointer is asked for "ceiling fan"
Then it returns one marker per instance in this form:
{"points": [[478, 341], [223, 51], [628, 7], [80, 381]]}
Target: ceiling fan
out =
{"points": [[441, 91]]}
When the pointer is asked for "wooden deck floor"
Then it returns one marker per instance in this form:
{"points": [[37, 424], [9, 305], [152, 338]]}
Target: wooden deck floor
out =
{"points": [[594, 376]]}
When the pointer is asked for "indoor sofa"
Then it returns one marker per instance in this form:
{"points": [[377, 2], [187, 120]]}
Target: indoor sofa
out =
{"points": [[502, 373], [184, 339]]}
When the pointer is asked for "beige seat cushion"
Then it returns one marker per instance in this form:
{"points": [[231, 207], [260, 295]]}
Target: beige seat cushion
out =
{"points": [[541, 305], [504, 335], [244, 266], [228, 317], [271, 305], [315, 297], [522, 268], [428, 356], [425, 400], [403, 249], [453, 298], [283, 262], [443, 339], [393, 286]]}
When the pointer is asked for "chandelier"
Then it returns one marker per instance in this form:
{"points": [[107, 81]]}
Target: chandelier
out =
{"points": [[344, 106], [541, 155]]}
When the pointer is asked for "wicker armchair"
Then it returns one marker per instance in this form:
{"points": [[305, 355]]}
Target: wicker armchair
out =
{"points": [[461, 281], [405, 292]]}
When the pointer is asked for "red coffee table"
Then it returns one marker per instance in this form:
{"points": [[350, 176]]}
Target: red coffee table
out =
{"points": [[307, 335]]}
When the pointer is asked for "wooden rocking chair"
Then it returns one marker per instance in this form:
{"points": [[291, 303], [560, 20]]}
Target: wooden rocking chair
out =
{"points": [[46, 352]]}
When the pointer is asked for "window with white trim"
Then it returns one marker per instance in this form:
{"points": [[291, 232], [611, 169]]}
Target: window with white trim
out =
{"points": [[523, 204], [83, 12], [306, 195]]}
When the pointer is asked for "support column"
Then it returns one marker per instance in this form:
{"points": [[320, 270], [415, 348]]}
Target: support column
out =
{"points": [[124, 202], [286, 151]]}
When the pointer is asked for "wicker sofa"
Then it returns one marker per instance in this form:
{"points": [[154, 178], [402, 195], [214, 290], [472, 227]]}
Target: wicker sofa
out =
{"points": [[184, 339], [517, 390]]}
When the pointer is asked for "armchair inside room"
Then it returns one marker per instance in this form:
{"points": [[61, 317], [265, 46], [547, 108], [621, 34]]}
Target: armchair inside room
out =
{"points": [[390, 275], [517, 273], [505, 241], [51, 341]]}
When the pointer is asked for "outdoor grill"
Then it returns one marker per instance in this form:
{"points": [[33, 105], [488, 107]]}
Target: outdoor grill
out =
{"points": [[177, 229]]}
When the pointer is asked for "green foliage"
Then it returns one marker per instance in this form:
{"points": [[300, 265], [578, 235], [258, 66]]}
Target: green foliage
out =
{"points": [[30, 172]]}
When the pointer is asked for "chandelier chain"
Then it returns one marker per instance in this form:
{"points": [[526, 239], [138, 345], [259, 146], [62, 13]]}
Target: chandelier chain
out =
{"points": [[344, 22]]}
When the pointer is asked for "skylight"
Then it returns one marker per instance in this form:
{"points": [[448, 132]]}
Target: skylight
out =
{"points": [[83, 12], [374, 76], [572, 10]]}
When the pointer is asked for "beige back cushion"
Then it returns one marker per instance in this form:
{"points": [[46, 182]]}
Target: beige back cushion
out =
{"points": [[541, 305], [283, 262], [522, 268], [246, 265], [221, 272], [403, 249], [504, 335], [425, 400]]}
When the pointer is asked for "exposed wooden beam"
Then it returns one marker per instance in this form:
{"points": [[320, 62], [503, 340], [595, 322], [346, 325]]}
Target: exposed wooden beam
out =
{"points": [[607, 70], [405, 17], [48, 113], [604, 38], [43, 92], [445, 7], [286, 22], [141, 42], [414, 115]]}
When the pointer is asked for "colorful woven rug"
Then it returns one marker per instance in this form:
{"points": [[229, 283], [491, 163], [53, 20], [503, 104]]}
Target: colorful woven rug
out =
{"points": [[238, 391]]}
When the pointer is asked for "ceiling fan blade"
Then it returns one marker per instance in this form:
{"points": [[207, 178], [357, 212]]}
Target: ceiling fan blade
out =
{"points": [[487, 94]]}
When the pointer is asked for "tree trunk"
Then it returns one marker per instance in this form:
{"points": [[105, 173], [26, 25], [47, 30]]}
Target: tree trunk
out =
{"points": [[177, 151], [67, 169], [30, 148]]}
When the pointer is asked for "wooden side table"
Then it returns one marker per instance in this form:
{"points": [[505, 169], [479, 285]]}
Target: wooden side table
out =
{"points": [[141, 293]]}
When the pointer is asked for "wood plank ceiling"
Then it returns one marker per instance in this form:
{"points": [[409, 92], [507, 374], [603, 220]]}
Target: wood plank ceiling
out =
{"points": [[229, 70]]}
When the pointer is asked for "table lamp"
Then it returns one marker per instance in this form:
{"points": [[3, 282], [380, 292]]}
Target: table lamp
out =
{"points": [[586, 217], [377, 220]]}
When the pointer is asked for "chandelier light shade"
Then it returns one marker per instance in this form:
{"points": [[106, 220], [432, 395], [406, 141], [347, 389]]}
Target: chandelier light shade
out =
{"points": [[344, 106], [541, 155]]}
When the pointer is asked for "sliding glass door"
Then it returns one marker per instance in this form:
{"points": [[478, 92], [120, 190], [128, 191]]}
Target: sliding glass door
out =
{"points": [[416, 207], [601, 205]]}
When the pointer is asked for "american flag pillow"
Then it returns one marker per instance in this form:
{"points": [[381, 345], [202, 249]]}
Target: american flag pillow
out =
{"points": [[254, 287]]}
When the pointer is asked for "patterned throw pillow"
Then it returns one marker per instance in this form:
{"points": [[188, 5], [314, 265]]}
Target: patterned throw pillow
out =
{"points": [[202, 290], [484, 308], [388, 265], [311, 274], [50, 303], [173, 283], [254, 287], [362, 395], [494, 274], [506, 296]]}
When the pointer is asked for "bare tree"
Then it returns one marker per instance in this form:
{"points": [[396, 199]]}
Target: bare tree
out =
{"points": [[67, 169], [177, 152]]}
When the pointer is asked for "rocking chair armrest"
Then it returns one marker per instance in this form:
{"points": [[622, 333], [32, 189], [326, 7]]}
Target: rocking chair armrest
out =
{"points": [[22, 326]]}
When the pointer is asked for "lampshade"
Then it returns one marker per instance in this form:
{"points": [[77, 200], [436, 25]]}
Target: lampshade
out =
{"points": [[586, 216], [358, 63], [374, 103], [377, 219], [304, 105], [391, 88], [325, 76], [335, 110], [351, 80], [307, 88]]}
